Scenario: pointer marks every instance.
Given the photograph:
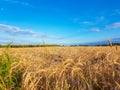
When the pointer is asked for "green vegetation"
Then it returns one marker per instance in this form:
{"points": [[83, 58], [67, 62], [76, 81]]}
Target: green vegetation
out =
{"points": [[9, 78]]}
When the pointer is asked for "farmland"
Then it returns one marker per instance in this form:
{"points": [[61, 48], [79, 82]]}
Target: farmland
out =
{"points": [[60, 68]]}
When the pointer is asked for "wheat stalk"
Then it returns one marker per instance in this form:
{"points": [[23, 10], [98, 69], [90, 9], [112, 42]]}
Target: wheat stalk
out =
{"points": [[110, 43]]}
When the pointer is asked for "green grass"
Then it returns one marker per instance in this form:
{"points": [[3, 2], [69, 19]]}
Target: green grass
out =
{"points": [[9, 79]]}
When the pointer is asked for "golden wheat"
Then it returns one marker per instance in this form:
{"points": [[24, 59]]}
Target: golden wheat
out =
{"points": [[68, 68]]}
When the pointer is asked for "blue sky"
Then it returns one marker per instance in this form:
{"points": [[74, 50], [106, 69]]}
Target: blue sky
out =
{"points": [[59, 21]]}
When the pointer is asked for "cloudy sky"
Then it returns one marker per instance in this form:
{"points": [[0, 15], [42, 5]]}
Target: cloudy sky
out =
{"points": [[59, 21]]}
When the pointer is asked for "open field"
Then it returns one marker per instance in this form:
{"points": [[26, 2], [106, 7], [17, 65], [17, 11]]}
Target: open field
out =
{"points": [[60, 68]]}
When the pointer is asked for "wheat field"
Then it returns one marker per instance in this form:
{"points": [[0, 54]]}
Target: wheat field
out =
{"points": [[65, 68]]}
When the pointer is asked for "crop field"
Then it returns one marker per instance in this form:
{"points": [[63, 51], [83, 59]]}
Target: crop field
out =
{"points": [[60, 68]]}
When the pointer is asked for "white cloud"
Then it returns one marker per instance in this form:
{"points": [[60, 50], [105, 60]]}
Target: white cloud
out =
{"points": [[7, 40], [116, 12], [18, 2], [88, 23], [12, 30], [99, 19], [16, 32], [95, 21], [95, 30], [113, 26]]}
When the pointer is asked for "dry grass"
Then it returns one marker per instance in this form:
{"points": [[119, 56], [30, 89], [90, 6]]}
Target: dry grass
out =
{"points": [[68, 68]]}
